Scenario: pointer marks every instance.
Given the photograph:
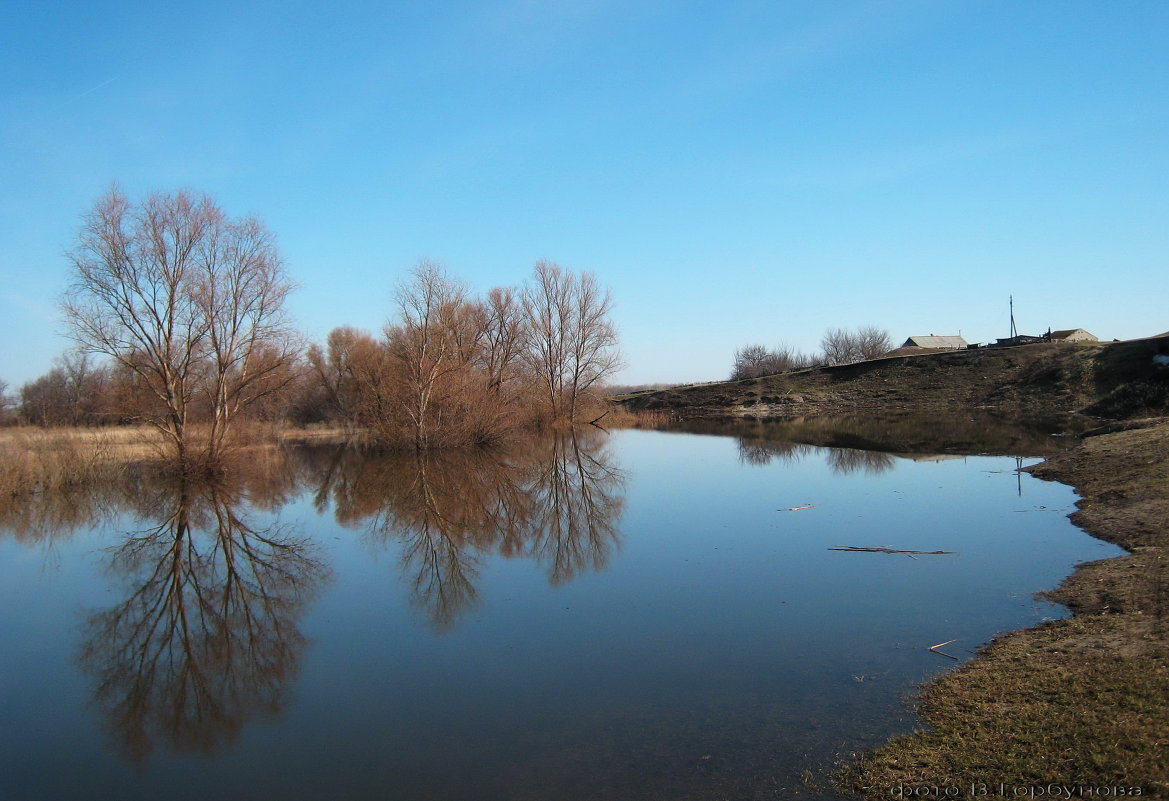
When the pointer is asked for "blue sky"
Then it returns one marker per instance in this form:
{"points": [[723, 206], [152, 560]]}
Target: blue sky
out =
{"points": [[736, 172]]}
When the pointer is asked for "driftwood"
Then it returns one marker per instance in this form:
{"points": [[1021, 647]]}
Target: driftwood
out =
{"points": [[935, 648], [859, 549]]}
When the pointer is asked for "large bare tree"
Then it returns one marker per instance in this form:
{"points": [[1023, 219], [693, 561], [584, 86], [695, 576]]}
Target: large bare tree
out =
{"points": [[250, 341], [572, 343], [186, 299]]}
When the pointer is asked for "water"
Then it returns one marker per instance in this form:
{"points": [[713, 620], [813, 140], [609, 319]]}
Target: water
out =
{"points": [[631, 616]]}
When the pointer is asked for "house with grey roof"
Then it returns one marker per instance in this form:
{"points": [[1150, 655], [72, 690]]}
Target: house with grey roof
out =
{"points": [[937, 343]]}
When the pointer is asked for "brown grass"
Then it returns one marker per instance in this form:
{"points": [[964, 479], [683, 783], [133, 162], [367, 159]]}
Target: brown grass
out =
{"points": [[1055, 704], [320, 435], [41, 459], [622, 417], [37, 459]]}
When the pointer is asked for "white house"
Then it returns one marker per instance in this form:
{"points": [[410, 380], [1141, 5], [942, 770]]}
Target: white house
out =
{"points": [[1073, 335]]}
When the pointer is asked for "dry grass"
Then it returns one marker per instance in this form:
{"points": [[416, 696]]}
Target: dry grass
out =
{"points": [[622, 417], [40, 459], [320, 435], [37, 459], [1056, 704]]}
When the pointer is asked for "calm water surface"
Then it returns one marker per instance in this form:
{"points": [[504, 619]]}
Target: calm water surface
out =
{"points": [[626, 616]]}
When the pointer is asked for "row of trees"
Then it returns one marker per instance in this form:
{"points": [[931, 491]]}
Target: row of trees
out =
{"points": [[77, 391], [837, 346], [452, 369], [179, 315]]}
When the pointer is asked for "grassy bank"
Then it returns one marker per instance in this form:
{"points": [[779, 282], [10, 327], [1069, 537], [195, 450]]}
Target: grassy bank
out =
{"points": [[1082, 702]]}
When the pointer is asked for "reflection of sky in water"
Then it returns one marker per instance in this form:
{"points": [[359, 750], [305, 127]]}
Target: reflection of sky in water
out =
{"points": [[712, 645]]}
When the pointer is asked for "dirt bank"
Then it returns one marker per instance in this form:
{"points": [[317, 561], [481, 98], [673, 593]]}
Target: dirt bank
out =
{"points": [[1109, 379]]}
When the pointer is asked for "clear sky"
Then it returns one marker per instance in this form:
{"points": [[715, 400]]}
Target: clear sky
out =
{"points": [[736, 172]]}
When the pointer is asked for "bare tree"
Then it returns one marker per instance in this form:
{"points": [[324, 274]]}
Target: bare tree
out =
{"points": [[505, 333], [874, 342], [250, 341], [593, 344], [434, 340], [752, 361], [571, 342], [84, 382], [42, 400], [347, 373], [6, 403], [839, 347], [187, 300], [547, 305], [73, 393], [842, 346], [131, 296]]}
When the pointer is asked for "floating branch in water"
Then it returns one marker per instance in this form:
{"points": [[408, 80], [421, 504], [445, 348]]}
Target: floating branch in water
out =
{"points": [[859, 549], [935, 648]]}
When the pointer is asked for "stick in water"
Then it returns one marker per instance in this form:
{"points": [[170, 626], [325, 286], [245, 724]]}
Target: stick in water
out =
{"points": [[859, 549], [935, 648]]}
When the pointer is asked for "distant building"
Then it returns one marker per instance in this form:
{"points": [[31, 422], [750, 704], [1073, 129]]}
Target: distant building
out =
{"points": [[936, 343], [1021, 339], [1072, 335], [919, 346]]}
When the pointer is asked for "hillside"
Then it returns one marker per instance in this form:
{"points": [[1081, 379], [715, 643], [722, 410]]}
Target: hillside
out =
{"points": [[1116, 380]]}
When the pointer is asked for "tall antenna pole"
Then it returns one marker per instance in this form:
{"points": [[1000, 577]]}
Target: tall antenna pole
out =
{"points": [[1014, 331]]}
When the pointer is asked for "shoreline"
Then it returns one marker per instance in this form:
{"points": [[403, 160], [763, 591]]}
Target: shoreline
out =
{"points": [[1083, 702], [1079, 702]]}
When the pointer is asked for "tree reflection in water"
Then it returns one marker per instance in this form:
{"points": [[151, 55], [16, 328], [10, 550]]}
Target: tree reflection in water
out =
{"points": [[849, 460], [208, 636], [578, 497], [556, 500], [759, 452]]}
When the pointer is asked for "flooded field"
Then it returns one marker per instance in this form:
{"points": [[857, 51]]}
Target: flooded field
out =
{"points": [[635, 615]]}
